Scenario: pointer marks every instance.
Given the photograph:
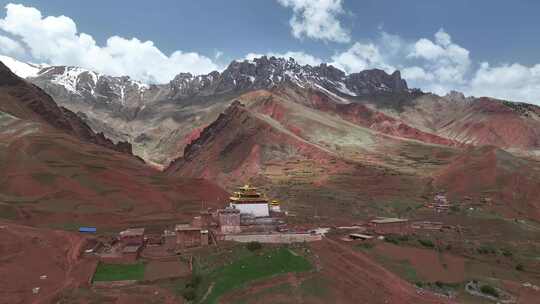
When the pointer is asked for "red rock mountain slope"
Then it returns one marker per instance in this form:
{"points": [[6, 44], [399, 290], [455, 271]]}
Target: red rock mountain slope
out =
{"points": [[55, 171], [296, 141]]}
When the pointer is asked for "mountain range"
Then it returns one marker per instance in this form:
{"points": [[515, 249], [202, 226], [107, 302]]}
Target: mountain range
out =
{"points": [[363, 136], [159, 120], [79, 148]]}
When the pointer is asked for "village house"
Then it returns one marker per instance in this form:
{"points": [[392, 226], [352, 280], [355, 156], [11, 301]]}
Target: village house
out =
{"points": [[389, 225], [188, 236], [132, 236], [229, 220]]}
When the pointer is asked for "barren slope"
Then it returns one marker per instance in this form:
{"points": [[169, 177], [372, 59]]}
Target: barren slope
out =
{"points": [[310, 158], [508, 184], [57, 172], [477, 121]]}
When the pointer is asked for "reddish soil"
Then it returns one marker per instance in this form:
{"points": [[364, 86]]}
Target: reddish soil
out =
{"points": [[121, 295], [510, 182], [480, 121], [93, 189], [482, 124], [427, 263], [28, 253], [57, 172], [524, 294], [232, 145], [358, 279]]}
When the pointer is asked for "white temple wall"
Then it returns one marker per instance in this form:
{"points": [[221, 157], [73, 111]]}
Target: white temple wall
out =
{"points": [[258, 210]]}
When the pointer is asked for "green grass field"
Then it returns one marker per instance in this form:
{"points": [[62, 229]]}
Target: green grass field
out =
{"points": [[119, 272], [257, 266]]}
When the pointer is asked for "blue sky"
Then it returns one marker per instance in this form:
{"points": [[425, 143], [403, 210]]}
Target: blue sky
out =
{"points": [[482, 47]]}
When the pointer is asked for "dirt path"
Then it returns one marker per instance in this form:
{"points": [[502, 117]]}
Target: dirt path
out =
{"points": [[40, 258], [72, 259]]}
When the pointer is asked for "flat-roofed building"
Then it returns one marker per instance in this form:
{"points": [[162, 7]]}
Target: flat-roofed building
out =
{"points": [[188, 236], [229, 220], [132, 236], [356, 236], [389, 225]]}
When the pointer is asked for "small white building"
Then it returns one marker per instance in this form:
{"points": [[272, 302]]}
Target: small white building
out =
{"points": [[275, 206]]}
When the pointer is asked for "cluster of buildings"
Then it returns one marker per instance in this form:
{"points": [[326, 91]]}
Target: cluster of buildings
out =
{"points": [[381, 227], [248, 212]]}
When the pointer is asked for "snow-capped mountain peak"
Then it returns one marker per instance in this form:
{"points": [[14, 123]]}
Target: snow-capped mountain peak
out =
{"points": [[82, 85], [264, 72], [22, 69], [79, 83]]}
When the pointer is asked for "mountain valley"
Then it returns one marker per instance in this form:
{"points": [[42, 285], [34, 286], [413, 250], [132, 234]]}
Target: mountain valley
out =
{"points": [[82, 148]]}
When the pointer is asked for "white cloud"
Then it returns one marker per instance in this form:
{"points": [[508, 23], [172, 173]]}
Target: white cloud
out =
{"points": [[447, 62], [361, 57], [416, 73], [57, 41], [508, 81], [443, 38], [300, 57], [440, 65], [436, 64], [317, 19], [9, 46], [218, 55]]}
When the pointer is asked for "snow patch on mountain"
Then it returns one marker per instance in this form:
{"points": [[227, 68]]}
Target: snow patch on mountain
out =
{"points": [[343, 89], [70, 78], [22, 69]]}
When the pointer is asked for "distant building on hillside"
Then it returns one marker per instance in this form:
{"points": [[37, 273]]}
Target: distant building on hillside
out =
{"points": [[389, 225], [248, 201], [440, 203], [132, 236]]}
